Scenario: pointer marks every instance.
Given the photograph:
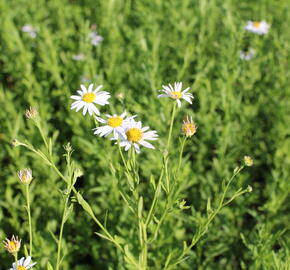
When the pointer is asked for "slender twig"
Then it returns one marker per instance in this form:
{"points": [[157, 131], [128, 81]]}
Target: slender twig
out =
{"points": [[59, 244], [171, 126], [29, 219]]}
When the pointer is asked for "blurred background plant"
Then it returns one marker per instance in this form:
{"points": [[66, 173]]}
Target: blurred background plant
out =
{"points": [[240, 107]]}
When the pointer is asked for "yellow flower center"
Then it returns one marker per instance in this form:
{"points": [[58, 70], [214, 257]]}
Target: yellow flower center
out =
{"points": [[257, 24], [89, 97], [12, 246], [175, 95], [115, 121], [21, 267], [189, 129], [134, 135]]}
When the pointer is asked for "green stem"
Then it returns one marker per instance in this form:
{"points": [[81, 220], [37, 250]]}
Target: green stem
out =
{"points": [[16, 259], [144, 247], [167, 176], [123, 159], [180, 156], [61, 233], [29, 220], [153, 205], [74, 190], [202, 230], [41, 133], [171, 126]]}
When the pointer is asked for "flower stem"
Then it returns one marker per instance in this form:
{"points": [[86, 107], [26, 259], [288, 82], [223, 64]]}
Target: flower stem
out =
{"points": [[16, 259], [61, 233], [29, 220], [180, 156], [171, 126], [41, 133]]}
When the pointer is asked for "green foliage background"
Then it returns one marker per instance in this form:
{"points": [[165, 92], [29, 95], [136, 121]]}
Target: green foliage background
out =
{"points": [[240, 107]]}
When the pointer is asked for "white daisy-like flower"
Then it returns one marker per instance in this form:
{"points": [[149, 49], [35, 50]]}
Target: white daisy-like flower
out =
{"points": [[79, 57], [137, 135], [28, 28], [87, 99], [259, 28], [95, 38], [115, 124], [247, 55], [23, 264], [85, 79], [175, 92]]}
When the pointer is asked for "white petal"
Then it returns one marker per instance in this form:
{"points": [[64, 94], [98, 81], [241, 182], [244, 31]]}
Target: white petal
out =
{"points": [[83, 88], [98, 88], [27, 261], [187, 99], [106, 131], [145, 128], [101, 120], [76, 97], [81, 104], [162, 95], [90, 109], [96, 111], [31, 265], [137, 148], [127, 147], [147, 144], [123, 143], [178, 103], [85, 110], [75, 105], [21, 261], [90, 88]]}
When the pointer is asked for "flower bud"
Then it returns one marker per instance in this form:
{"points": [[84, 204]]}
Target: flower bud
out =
{"points": [[249, 189], [31, 113], [188, 128], [78, 173], [15, 142], [13, 245], [25, 176], [248, 161]]}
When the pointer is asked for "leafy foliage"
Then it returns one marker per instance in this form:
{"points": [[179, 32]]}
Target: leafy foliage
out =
{"points": [[240, 107]]}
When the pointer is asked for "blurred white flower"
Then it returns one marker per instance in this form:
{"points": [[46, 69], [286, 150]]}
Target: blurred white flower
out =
{"points": [[79, 57], [115, 124], [84, 79], [247, 55], [176, 93], [259, 28], [95, 38], [136, 135], [87, 99], [23, 264], [28, 28]]}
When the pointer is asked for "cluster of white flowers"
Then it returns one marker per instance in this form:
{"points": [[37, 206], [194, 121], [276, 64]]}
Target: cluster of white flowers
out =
{"points": [[124, 129], [247, 55], [260, 28], [29, 29], [79, 57], [95, 38], [257, 27]]}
